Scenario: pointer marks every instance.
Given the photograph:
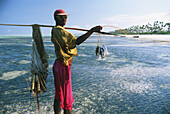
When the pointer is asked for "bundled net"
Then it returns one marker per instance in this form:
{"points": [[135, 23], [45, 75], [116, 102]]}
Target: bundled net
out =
{"points": [[39, 66]]}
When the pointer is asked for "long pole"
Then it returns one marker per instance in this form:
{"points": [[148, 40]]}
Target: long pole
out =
{"points": [[37, 100], [54, 26]]}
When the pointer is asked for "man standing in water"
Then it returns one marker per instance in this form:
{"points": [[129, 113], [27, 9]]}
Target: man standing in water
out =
{"points": [[65, 48]]}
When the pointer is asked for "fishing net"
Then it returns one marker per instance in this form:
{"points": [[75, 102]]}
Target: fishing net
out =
{"points": [[39, 64]]}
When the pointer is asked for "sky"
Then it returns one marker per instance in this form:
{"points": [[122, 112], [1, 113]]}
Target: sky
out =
{"points": [[83, 14]]}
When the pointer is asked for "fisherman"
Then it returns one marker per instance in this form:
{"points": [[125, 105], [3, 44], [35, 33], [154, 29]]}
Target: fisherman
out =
{"points": [[65, 48]]}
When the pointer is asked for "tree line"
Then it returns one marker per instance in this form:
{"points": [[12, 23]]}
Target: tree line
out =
{"points": [[156, 28]]}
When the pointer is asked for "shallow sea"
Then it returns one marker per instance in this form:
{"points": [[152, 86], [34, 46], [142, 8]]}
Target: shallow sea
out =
{"points": [[133, 78]]}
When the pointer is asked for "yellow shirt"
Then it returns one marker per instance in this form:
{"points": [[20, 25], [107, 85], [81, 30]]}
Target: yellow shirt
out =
{"points": [[64, 43]]}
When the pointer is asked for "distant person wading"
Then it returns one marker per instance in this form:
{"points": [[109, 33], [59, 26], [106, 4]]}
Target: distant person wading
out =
{"points": [[65, 48]]}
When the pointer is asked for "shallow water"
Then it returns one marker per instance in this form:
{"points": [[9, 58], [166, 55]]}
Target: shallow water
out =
{"points": [[133, 78]]}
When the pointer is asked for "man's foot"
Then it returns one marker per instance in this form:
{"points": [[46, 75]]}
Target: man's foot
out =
{"points": [[57, 107]]}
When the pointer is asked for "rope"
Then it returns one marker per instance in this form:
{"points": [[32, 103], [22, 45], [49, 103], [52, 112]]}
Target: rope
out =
{"points": [[30, 89], [100, 38], [122, 30]]}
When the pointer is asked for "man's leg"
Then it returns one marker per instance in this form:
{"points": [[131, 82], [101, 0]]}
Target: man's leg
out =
{"points": [[57, 107], [67, 111]]}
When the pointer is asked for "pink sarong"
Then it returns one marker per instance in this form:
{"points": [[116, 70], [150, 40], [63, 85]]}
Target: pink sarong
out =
{"points": [[63, 87]]}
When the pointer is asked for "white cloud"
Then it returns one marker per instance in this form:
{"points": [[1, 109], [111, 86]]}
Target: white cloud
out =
{"points": [[76, 32], [124, 21]]}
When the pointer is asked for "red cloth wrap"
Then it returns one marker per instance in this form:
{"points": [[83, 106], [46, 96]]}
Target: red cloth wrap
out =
{"points": [[62, 82]]}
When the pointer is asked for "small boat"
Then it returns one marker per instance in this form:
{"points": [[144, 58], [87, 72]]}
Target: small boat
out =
{"points": [[135, 36]]}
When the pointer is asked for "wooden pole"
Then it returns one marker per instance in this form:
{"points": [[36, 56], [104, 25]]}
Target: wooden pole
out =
{"points": [[54, 26], [37, 99]]}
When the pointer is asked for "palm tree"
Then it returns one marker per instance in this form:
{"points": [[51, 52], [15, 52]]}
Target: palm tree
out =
{"points": [[168, 24]]}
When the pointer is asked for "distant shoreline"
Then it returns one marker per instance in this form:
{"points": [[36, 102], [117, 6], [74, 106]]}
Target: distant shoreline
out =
{"points": [[155, 37]]}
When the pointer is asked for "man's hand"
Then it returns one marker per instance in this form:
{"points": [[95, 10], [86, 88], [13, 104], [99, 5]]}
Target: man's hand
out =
{"points": [[82, 38], [96, 29]]}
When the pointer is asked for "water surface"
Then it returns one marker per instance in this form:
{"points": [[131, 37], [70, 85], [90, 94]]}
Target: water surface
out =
{"points": [[133, 78]]}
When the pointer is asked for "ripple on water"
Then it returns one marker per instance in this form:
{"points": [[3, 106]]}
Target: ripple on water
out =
{"points": [[12, 74]]}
